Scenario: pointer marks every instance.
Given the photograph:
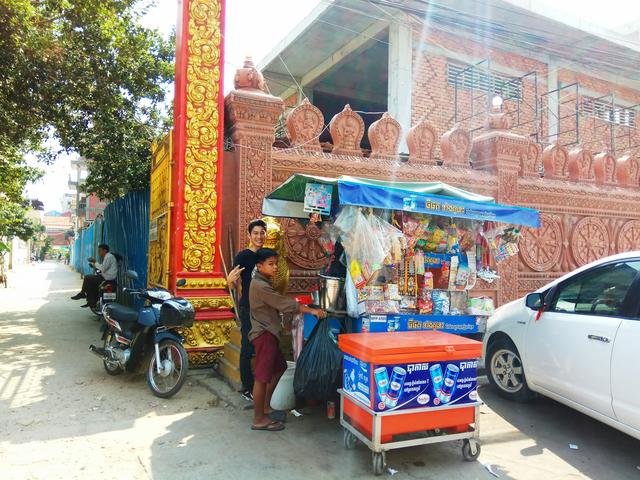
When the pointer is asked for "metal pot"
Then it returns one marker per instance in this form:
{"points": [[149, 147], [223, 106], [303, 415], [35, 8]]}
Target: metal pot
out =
{"points": [[332, 297]]}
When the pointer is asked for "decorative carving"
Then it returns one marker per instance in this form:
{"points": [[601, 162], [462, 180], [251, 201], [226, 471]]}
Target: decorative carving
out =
{"points": [[204, 283], [508, 282], [384, 137], [275, 241], [199, 358], [347, 129], [604, 168], [554, 159], [499, 150], [222, 302], [254, 117], [589, 241], [540, 248], [159, 212], [205, 339], [248, 77], [216, 332], [303, 247], [580, 164], [507, 187], [202, 125], [627, 171], [456, 146], [305, 123], [629, 237], [421, 140], [530, 160], [497, 120]]}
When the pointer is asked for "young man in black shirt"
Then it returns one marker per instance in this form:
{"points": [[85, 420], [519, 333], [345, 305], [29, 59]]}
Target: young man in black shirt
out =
{"points": [[243, 266]]}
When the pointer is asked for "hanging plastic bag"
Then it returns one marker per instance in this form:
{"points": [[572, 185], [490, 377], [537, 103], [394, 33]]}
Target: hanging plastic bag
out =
{"points": [[319, 367], [297, 335], [352, 297]]}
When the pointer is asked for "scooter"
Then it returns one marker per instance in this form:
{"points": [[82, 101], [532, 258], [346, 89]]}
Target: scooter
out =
{"points": [[146, 339]]}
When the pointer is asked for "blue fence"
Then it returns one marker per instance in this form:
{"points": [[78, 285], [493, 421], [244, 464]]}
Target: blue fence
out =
{"points": [[125, 228]]}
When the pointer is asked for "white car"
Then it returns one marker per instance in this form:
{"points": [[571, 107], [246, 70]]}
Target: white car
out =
{"points": [[576, 340]]}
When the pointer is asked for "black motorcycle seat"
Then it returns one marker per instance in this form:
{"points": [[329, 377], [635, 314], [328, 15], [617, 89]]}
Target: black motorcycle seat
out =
{"points": [[122, 313]]}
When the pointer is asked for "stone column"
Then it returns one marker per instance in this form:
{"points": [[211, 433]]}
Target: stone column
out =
{"points": [[400, 79], [254, 115], [500, 151]]}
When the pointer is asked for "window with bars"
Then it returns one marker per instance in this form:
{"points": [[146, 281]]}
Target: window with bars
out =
{"points": [[609, 112], [464, 76]]}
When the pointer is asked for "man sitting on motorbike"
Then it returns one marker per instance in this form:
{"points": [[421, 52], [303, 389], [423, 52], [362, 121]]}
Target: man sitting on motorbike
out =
{"points": [[91, 283]]}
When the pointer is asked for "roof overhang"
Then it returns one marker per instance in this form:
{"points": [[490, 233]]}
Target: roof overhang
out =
{"points": [[336, 29]]}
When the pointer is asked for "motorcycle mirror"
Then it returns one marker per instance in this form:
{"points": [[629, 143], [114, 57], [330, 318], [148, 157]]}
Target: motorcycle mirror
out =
{"points": [[181, 283], [132, 275]]}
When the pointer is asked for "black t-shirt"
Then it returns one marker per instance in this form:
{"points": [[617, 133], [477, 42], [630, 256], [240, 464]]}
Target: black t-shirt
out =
{"points": [[247, 260]]}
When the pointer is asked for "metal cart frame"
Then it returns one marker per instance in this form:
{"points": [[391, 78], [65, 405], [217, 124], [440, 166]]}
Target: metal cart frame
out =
{"points": [[470, 446]]}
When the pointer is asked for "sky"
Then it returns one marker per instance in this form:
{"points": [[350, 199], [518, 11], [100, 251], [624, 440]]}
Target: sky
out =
{"points": [[254, 28]]}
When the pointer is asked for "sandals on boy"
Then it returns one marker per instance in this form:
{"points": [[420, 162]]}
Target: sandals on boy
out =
{"points": [[271, 427]]}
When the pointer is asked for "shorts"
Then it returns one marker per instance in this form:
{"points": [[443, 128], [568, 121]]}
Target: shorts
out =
{"points": [[269, 359]]}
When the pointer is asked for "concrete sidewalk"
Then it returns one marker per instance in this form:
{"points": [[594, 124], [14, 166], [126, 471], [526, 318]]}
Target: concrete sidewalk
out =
{"points": [[62, 416]]}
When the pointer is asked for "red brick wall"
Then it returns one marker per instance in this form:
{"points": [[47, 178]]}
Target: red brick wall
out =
{"points": [[433, 97]]}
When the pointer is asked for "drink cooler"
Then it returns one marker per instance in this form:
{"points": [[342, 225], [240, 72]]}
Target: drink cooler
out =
{"points": [[436, 424]]}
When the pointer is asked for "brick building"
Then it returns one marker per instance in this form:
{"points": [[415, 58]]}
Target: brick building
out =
{"points": [[560, 80]]}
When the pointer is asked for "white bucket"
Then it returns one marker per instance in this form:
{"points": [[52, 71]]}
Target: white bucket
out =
{"points": [[284, 397]]}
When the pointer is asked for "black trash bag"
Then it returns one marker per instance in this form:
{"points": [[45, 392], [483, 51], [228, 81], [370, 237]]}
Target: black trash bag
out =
{"points": [[319, 367]]}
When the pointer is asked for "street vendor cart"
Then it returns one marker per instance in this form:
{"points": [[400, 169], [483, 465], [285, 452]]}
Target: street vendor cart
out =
{"points": [[409, 388], [413, 253]]}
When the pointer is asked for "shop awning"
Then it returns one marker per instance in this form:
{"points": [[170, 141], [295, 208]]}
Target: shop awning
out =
{"points": [[435, 198]]}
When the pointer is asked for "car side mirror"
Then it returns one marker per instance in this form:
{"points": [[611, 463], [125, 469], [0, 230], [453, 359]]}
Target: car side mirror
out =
{"points": [[181, 283], [535, 301]]}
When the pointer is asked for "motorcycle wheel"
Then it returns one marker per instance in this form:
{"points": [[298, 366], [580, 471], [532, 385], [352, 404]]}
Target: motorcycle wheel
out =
{"points": [[97, 309], [173, 371], [112, 368]]}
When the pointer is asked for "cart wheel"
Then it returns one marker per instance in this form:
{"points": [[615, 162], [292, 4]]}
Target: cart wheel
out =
{"points": [[349, 440], [378, 463], [470, 450]]}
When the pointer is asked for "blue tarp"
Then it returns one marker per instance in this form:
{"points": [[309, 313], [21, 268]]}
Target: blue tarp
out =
{"points": [[125, 228], [126, 231], [377, 196]]}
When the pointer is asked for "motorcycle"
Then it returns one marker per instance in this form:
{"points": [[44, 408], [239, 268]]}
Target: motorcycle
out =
{"points": [[147, 338], [106, 291], [106, 295]]}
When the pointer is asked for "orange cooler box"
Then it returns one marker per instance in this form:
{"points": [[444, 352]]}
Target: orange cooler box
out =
{"points": [[432, 375]]}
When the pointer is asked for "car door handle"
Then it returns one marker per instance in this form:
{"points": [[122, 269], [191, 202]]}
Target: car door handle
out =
{"points": [[599, 338]]}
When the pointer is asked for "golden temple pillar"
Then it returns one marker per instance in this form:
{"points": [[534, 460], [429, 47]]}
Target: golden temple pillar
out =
{"points": [[186, 183]]}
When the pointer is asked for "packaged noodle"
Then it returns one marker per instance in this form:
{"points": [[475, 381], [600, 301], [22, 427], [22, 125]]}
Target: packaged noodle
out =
{"points": [[356, 274], [391, 292], [458, 303], [425, 302], [408, 302], [463, 273], [440, 302], [379, 306], [427, 280], [374, 292]]}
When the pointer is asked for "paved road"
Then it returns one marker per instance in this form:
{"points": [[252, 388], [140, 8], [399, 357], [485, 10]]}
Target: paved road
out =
{"points": [[62, 417]]}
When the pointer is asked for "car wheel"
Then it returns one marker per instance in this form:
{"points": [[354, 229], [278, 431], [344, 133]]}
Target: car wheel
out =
{"points": [[506, 372]]}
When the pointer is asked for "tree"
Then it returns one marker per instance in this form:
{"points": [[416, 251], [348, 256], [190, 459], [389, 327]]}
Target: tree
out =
{"points": [[87, 74], [15, 223]]}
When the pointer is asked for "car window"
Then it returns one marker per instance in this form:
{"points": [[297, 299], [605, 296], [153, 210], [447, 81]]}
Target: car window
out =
{"points": [[600, 291]]}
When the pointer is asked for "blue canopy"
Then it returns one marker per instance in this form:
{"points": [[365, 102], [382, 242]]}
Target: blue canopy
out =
{"points": [[377, 196], [435, 198]]}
